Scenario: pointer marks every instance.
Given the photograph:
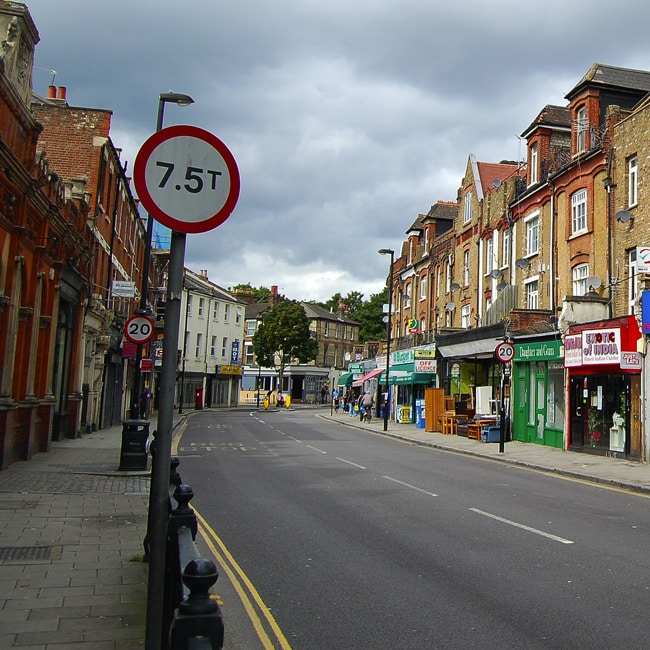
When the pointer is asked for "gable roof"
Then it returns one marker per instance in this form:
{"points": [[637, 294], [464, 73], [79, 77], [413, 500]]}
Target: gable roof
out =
{"points": [[609, 76], [555, 117], [491, 175]]}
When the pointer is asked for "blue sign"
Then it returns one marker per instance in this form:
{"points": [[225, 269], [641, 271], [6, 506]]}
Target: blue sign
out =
{"points": [[234, 352], [645, 312]]}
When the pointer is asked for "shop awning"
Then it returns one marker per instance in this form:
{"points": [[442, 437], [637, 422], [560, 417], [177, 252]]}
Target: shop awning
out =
{"points": [[345, 379], [404, 374], [481, 348], [371, 374]]}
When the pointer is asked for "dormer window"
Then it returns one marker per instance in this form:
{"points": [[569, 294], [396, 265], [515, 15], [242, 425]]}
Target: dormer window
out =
{"points": [[581, 126], [533, 164]]}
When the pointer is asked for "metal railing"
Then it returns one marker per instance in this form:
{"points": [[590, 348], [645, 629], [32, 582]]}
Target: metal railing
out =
{"points": [[191, 616]]}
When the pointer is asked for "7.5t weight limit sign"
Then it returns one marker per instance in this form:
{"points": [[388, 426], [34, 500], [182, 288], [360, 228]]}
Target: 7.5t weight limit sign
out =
{"points": [[186, 178]]}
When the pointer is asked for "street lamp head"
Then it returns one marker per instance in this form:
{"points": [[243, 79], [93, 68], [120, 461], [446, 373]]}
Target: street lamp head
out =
{"points": [[176, 98], [386, 251]]}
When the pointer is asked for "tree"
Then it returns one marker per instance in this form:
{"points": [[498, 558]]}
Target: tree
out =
{"points": [[370, 317], [260, 294], [283, 335]]}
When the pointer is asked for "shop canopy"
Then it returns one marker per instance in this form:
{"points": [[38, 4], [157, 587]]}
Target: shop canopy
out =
{"points": [[345, 379], [368, 375], [404, 374]]}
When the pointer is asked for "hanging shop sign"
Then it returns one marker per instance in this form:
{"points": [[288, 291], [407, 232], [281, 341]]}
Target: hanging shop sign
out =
{"points": [[425, 365]]}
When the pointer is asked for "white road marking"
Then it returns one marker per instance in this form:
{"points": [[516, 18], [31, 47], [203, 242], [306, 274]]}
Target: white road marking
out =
{"points": [[555, 538], [349, 462], [408, 485], [320, 451]]}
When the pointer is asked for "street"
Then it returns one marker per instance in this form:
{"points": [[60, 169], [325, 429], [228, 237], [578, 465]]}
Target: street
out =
{"points": [[355, 540]]}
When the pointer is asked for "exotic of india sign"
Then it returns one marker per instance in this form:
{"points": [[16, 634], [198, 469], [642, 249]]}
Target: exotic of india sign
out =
{"points": [[601, 346]]}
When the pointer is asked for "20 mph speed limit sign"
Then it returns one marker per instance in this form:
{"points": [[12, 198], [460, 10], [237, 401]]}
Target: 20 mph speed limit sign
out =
{"points": [[505, 352], [139, 329], [186, 178]]}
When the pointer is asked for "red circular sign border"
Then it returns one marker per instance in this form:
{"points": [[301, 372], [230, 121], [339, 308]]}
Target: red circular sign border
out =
{"points": [[505, 345], [139, 179], [126, 329]]}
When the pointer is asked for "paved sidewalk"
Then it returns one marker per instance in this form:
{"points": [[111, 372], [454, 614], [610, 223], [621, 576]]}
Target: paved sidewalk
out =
{"points": [[71, 570], [617, 472]]}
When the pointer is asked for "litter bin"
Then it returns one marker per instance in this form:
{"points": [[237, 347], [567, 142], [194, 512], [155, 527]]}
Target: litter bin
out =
{"points": [[133, 455]]}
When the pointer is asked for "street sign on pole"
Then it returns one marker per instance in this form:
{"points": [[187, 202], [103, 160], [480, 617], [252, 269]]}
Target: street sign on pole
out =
{"points": [[186, 178], [505, 352], [139, 329]]}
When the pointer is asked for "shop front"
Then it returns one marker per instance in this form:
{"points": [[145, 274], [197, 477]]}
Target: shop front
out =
{"points": [[604, 376], [538, 402], [406, 384]]}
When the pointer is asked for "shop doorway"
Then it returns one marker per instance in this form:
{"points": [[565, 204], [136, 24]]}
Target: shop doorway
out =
{"points": [[600, 413]]}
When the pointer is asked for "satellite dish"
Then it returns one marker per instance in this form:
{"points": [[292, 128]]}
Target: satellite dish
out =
{"points": [[495, 274], [593, 282], [385, 319], [522, 263], [454, 286], [450, 306], [502, 285], [496, 182], [623, 216]]}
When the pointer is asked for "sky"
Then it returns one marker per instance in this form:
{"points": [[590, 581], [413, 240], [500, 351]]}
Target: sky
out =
{"points": [[346, 118]]}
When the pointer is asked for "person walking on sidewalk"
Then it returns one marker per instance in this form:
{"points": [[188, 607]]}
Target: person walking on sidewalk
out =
{"points": [[367, 402]]}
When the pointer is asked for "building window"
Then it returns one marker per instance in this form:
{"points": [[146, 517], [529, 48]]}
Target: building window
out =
{"points": [[581, 127], [448, 276], [423, 287], [533, 164], [188, 306], [201, 307], [632, 284], [466, 267], [489, 255], [251, 326], [224, 346], [199, 345], [532, 294], [238, 315], [215, 310], [407, 297], [213, 346], [466, 316], [632, 181], [226, 312], [505, 249], [532, 236], [579, 212], [580, 274], [249, 354], [467, 208]]}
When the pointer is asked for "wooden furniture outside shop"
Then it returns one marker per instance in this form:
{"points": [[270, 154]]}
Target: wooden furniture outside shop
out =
{"points": [[450, 423], [474, 429], [434, 407]]}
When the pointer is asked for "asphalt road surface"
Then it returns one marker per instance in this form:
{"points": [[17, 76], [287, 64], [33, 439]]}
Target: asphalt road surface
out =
{"points": [[348, 539]]}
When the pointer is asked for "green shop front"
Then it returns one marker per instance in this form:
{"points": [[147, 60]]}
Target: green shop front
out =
{"points": [[538, 393], [410, 371]]}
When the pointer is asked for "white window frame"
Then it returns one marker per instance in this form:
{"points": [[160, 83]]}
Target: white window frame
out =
{"points": [[489, 255], [251, 326], [467, 208], [579, 275], [534, 150], [532, 293], [215, 310], [466, 260], [532, 234], [633, 281], [249, 354], [199, 345], [423, 287], [213, 346], [224, 347], [466, 316], [579, 212], [581, 129], [505, 248], [226, 312], [632, 181], [238, 315], [201, 307]]}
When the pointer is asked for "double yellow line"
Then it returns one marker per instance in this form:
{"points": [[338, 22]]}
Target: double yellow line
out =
{"points": [[264, 624]]}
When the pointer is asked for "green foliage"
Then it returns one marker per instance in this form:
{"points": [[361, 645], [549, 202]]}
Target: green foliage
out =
{"points": [[284, 335], [260, 294], [370, 316]]}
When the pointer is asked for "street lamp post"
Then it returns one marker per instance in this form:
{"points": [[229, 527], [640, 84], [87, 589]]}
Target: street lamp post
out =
{"points": [[164, 98], [388, 251]]}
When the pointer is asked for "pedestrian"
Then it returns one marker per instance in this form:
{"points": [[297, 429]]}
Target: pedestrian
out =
{"points": [[279, 400], [323, 394], [367, 402]]}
